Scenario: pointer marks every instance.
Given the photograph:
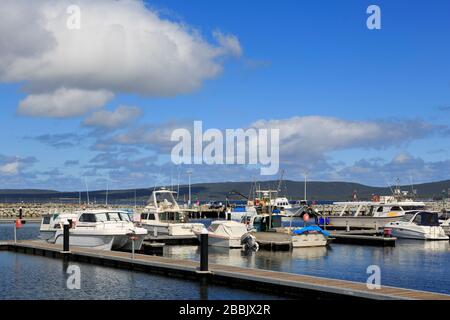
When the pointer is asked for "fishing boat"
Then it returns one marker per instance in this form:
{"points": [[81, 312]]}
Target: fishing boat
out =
{"points": [[230, 234], [98, 229], [422, 225], [163, 216]]}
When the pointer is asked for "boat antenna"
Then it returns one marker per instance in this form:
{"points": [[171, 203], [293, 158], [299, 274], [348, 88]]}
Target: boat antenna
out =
{"points": [[106, 200], [412, 184], [87, 191], [178, 182], [305, 187]]}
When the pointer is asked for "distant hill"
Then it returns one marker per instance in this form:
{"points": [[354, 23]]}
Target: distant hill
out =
{"points": [[218, 191]]}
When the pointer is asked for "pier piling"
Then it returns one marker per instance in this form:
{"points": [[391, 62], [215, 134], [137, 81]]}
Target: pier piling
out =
{"points": [[66, 246], [204, 251]]}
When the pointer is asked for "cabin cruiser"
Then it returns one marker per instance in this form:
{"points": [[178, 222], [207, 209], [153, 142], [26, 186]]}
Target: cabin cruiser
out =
{"points": [[98, 229], [163, 216], [229, 234], [423, 225], [370, 214]]}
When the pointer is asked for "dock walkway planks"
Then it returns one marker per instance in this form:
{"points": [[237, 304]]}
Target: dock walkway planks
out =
{"points": [[251, 278]]}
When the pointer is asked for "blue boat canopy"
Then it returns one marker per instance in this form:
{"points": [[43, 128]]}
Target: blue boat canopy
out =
{"points": [[311, 228]]}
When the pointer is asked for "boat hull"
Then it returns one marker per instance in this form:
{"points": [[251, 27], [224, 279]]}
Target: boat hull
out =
{"points": [[309, 240], [232, 243], [101, 241], [98, 242], [172, 229], [431, 233]]}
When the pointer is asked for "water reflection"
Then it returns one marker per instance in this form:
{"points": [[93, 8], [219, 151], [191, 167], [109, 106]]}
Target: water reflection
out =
{"points": [[35, 277]]}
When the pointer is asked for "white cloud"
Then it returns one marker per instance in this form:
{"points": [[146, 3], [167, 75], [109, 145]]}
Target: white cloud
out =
{"points": [[109, 120], [11, 168], [229, 43], [311, 137], [63, 103], [122, 46]]}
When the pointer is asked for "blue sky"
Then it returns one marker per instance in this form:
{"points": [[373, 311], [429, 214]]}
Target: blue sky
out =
{"points": [[299, 63]]}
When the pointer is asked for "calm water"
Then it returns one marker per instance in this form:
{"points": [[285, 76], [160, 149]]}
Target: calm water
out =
{"points": [[411, 264], [35, 277]]}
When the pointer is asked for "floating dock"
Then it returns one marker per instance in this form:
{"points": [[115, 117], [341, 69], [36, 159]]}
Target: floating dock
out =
{"points": [[173, 240], [362, 237], [282, 283]]}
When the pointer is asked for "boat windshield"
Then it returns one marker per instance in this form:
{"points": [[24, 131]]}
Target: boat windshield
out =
{"points": [[125, 217], [408, 216], [173, 217], [114, 216], [410, 208]]}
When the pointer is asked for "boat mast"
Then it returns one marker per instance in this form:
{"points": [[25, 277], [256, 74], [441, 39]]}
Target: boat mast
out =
{"points": [[305, 189]]}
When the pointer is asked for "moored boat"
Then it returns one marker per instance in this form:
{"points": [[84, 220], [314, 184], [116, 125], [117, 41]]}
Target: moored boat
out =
{"points": [[229, 234], [98, 229], [422, 225], [163, 216]]}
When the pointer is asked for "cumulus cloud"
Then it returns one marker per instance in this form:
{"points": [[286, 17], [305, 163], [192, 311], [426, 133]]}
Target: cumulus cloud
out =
{"points": [[311, 137], [63, 103], [155, 137], [104, 119], [122, 46], [13, 166]]}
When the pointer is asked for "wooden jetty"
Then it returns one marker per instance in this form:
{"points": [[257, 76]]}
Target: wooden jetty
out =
{"points": [[282, 283]]}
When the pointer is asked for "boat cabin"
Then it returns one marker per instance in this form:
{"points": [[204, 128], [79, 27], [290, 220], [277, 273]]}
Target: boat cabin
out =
{"points": [[422, 218], [262, 222], [378, 209]]}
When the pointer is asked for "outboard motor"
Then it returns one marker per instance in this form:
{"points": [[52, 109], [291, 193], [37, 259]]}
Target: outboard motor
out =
{"points": [[250, 242]]}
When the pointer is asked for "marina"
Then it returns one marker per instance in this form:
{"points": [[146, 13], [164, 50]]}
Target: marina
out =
{"points": [[340, 262]]}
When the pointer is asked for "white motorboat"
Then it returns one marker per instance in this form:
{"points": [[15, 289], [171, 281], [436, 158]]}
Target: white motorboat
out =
{"points": [[229, 234], [423, 225], [310, 236], [163, 216], [98, 229]]}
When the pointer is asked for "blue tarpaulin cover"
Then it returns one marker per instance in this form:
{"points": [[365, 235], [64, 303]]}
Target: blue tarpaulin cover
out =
{"points": [[311, 228]]}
